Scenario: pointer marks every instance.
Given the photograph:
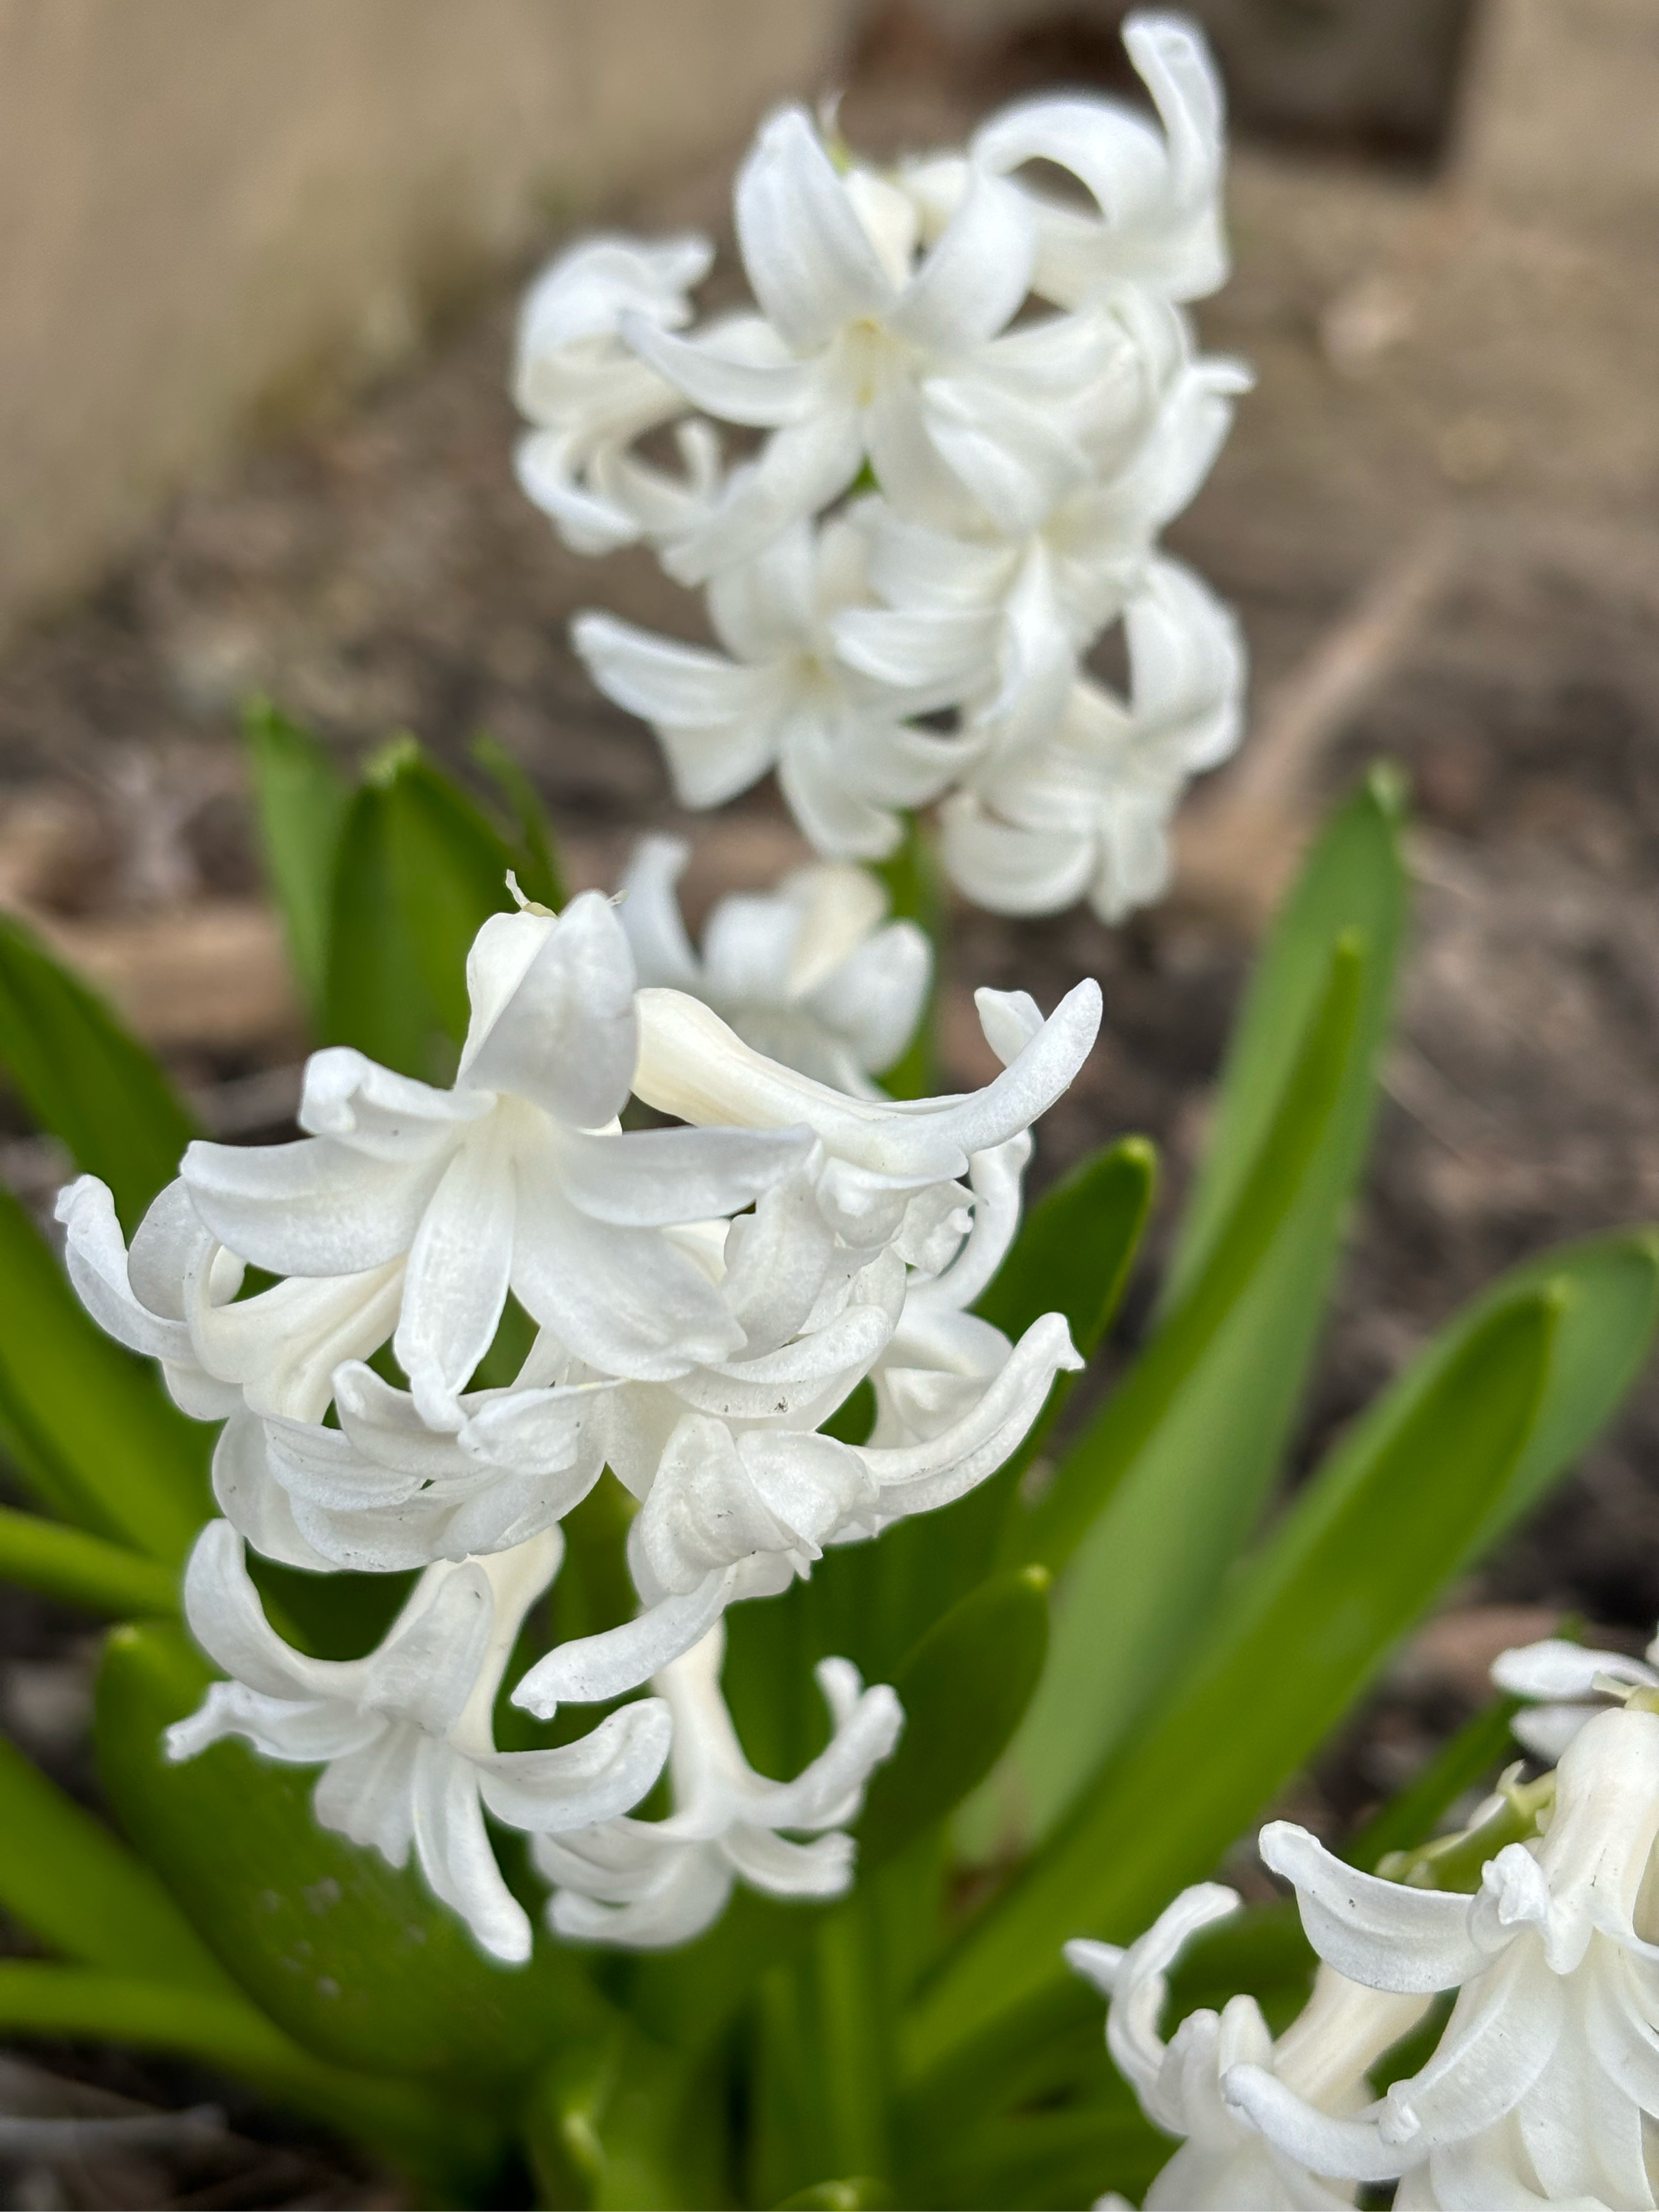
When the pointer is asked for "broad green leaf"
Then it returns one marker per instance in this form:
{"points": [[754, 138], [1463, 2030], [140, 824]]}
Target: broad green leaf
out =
{"points": [[420, 871], [1351, 879], [859, 2193], [453, 2149], [915, 894], [964, 1689], [89, 1426], [84, 1079], [79, 1890], [1472, 1756], [1396, 1511], [1062, 2158], [1178, 1462], [82, 1569], [353, 1957], [536, 862], [302, 800]]}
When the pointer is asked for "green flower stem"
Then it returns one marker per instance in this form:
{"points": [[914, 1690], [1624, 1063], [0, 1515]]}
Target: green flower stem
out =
{"points": [[83, 1569], [911, 875]]}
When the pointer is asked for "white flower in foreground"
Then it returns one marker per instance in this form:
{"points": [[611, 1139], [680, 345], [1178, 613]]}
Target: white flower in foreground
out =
{"points": [[405, 1733], [735, 1511], [1159, 222], [855, 338], [1224, 2162], [511, 1179], [646, 1884], [1086, 811], [1566, 1680], [590, 397], [778, 698], [809, 974], [1545, 2086]]}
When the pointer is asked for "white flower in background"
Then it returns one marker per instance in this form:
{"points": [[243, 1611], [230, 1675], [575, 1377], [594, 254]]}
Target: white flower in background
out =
{"points": [[1544, 2088], [646, 1884], [1566, 1680], [1224, 2162], [811, 973], [1086, 811], [513, 1179], [778, 698], [405, 1733], [856, 340], [590, 396], [1159, 196]]}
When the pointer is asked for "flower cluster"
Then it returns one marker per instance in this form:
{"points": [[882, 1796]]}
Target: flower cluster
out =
{"points": [[1543, 2086], [979, 403], [704, 1296]]}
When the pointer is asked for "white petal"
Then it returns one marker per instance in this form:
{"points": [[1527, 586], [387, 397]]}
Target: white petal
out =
{"points": [[565, 1037], [455, 1287], [976, 277], [1009, 870], [809, 259], [1558, 1671], [593, 1668], [1380, 1933], [662, 681], [315, 1207], [649, 910], [95, 1253], [455, 1853]]}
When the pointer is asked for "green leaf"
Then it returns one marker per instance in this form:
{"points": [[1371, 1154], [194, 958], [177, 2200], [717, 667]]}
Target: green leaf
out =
{"points": [[353, 1957], [1074, 1248], [82, 1570], [1153, 1502], [964, 1689], [420, 872], [1473, 1754], [84, 1079], [859, 2193], [70, 1880], [536, 861], [1395, 1512], [89, 1426], [302, 800], [452, 2148]]}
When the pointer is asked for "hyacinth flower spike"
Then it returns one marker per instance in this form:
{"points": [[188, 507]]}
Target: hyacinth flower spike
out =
{"points": [[406, 1733], [1225, 2162], [1545, 2086], [646, 1884]]}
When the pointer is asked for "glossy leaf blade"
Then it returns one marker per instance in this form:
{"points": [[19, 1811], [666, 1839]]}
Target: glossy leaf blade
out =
{"points": [[84, 1079], [1185, 1452], [83, 1569], [1394, 1514], [536, 862], [90, 1427], [964, 1689], [1075, 1247], [79, 1890], [351, 1957], [303, 801]]}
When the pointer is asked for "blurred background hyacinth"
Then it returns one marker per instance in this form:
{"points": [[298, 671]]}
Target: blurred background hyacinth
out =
{"points": [[824, 1376]]}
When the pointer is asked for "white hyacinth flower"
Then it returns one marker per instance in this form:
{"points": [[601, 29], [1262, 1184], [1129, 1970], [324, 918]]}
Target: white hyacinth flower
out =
{"points": [[1544, 2088], [1159, 222], [1225, 2162], [857, 338], [404, 1735], [513, 1179], [1567, 1681], [590, 396], [646, 1884], [737, 1508], [811, 973], [1085, 812], [779, 697]]}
